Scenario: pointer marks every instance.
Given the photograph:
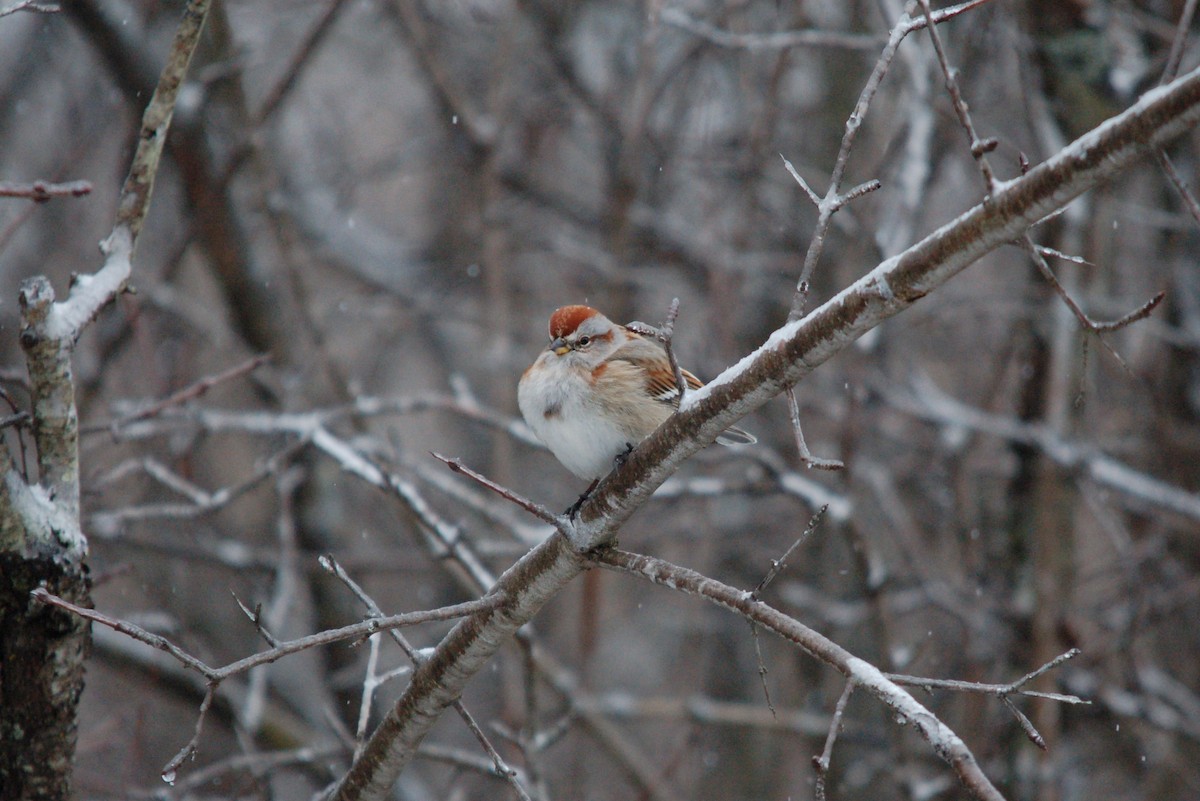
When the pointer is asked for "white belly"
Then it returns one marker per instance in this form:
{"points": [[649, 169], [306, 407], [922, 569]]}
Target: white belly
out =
{"points": [[577, 433]]}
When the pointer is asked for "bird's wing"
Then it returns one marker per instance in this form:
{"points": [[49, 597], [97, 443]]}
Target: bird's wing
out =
{"points": [[651, 358]]}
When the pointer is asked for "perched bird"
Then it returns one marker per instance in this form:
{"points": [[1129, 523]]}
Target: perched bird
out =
{"points": [[598, 390]]}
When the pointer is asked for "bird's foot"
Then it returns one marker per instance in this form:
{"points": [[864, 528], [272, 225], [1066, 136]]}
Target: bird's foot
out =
{"points": [[622, 457], [574, 508]]}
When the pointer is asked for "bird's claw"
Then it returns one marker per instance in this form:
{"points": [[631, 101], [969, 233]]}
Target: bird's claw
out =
{"points": [[574, 508]]}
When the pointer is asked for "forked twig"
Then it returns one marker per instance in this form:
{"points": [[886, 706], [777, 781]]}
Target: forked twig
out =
{"points": [[834, 198], [1003, 691], [501, 767], [665, 334], [214, 676], [1088, 323]]}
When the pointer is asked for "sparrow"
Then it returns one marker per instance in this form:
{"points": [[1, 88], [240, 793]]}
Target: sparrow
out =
{"points": [[598, 389]]}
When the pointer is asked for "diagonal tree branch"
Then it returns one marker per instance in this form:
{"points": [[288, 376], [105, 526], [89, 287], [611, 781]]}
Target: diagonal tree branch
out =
{"points": [[797, 348], [788, 355]]}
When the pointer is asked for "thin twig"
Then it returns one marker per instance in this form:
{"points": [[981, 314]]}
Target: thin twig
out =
{"points": [[834, 198], [42, 191], [1088, 323], [762, 669], [998, 690], [808, 190], [192, 391], [1004, 692], [1058, 254], [287, 484], [214, 676], [282, 89], [255, 763], [777, 40], [828, 205], [500, 767], [370, 682], [535, 509], [352, 632], [189, 749], [1177, 44], [778, 565], [1025, 723], [1053, 663], [255, 616], [668, 332], [979, 147], [945, 742], [1185, 192], [802, 446], [202, 501], [821, 763], [943, 14]]}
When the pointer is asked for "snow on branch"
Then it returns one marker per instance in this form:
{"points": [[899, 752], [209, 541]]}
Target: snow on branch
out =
{"points": [[50, 327]]}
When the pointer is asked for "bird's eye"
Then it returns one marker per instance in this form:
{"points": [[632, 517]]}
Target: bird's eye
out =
{"points": [[585, 341]]}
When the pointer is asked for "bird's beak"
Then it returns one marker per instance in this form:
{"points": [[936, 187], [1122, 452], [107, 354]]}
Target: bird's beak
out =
{"points": [[559, 346]]}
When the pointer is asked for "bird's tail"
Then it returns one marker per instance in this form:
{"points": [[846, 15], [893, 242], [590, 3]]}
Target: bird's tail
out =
{"points": [[736, 436]]}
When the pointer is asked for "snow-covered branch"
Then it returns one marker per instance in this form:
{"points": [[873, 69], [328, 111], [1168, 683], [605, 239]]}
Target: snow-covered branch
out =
{"points": [[786, 357], [51, 327], [796, 349], [908, 710]]}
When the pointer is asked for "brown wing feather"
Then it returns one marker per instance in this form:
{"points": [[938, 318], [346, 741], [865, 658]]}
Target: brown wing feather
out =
{"points": [[650, 358]]}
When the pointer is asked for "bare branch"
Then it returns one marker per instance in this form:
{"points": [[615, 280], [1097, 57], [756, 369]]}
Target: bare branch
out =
{"points": [[354, 631], [799, 347], [537, 510], [945, 742], [1088, 323], [809, 38], [193, 391], [1003, 691], [1171, 68], [668, 333], [831, 202], [778, 565], [1185, 193], [821, 763], [801, 446], [42, 191], [979, 148], [499, 766], [767, 41]]}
